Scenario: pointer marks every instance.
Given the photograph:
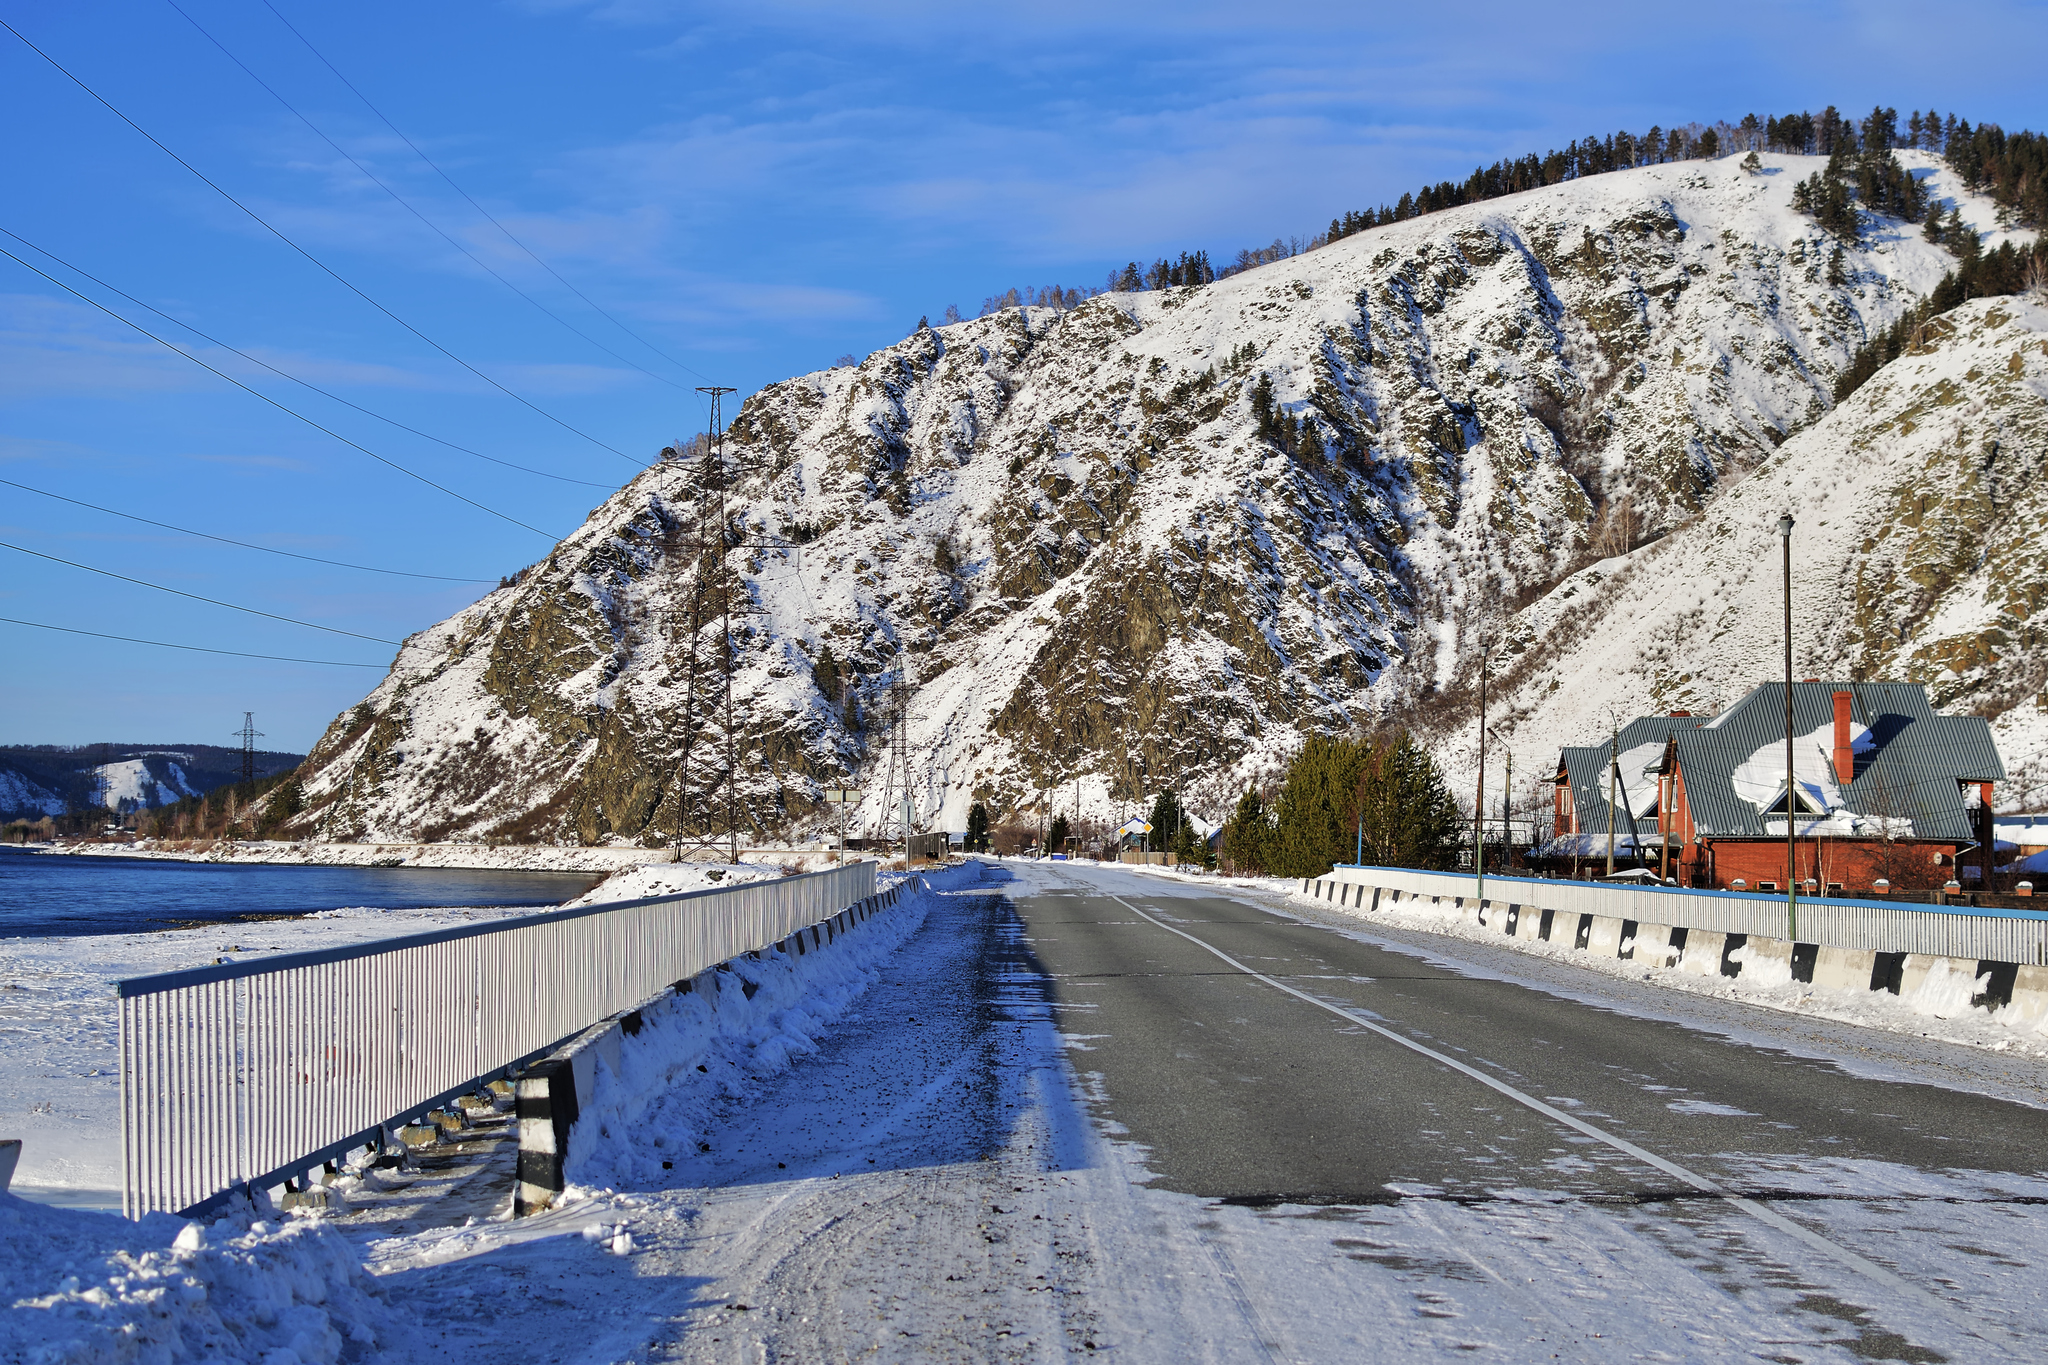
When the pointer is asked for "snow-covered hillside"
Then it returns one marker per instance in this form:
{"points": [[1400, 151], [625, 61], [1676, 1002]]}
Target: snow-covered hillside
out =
{"points": [[142, 783], [1100, 565], [22, 797], [1917, 553]]}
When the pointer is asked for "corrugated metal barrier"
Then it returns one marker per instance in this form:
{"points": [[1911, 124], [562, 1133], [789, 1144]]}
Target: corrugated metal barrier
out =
{"points": [[2019, 936], [246, 1074]]}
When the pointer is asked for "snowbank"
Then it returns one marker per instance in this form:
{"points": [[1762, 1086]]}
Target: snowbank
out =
{"points": [[696, 1054], [97, 1289]]}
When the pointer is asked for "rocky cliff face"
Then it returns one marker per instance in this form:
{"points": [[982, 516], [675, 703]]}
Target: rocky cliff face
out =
{"points": [[1164, 536]]}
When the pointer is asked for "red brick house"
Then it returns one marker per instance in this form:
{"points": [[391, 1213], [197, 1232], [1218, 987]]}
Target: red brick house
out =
{"points": [[1884, 789]]}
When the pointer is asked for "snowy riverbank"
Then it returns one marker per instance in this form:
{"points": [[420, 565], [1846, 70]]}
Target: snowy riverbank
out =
{"points": [[84, 1285]]}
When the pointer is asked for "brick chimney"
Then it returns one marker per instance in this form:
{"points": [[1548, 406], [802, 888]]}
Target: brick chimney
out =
{"points": [[1845, 756]]}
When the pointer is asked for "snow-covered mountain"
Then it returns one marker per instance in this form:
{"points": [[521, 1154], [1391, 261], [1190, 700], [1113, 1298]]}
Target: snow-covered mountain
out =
{"points": [[24, 798], [1164, 536], [143, 783]]}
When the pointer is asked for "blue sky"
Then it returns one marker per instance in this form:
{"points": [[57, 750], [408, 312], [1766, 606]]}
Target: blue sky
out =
{"points": [[751, 192]]}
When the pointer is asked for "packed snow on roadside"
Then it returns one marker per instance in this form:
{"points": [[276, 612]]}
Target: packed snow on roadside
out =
{"points": [[697, 1054], [86, 1288]]}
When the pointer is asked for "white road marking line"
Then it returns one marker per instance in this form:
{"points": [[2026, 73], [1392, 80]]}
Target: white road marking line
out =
{"points": [[1768, 1216]]}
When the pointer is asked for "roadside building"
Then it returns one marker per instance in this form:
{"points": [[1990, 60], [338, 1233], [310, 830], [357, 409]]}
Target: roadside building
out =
{"points": [[1884, 790]]}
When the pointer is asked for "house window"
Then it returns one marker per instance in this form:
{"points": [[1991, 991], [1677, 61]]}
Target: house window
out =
{"points": [[1767, 886]]}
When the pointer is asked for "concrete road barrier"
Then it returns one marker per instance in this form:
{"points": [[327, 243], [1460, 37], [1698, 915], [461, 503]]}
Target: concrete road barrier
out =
{"points": [[1703, 953], [1708, 934], [2030, 997], [1653, 945], [1604, 938], [1843, 969]]}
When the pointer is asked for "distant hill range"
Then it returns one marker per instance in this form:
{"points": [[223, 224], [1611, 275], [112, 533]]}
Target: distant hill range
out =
{"points": [[56, 779]]}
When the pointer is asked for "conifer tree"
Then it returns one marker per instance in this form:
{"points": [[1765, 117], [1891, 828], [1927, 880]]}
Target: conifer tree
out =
{"points": [[825, 674], [1246, 833], [1167, 818], [977, 828]]}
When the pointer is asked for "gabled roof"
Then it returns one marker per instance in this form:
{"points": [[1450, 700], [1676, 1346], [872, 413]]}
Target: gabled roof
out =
{"points": [[1909, 763], [1641, 746]]}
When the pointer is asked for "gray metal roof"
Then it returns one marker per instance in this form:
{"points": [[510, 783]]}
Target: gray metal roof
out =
{"points": [[1587, 769], [1913, 769]]}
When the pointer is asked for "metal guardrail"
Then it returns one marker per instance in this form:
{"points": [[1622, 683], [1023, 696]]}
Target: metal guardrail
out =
{"points": [[245, 1074], [1993, 935]]}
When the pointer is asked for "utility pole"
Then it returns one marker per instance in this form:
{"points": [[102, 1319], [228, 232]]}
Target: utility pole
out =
{"points": [[1613, 777], [249, 735], [1791, 829], [1479, 797], [1507, 811]]}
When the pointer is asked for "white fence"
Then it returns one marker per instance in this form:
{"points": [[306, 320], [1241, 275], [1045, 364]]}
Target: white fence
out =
{"points": [[246, 1074], [2019, 936]]}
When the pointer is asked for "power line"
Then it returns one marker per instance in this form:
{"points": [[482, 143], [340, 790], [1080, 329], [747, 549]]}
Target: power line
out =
{"points": [[267, 398], [326, 269], [282, 374], [197, 649], [408, 205], [473, 203], [180, 592], [205, 535]]}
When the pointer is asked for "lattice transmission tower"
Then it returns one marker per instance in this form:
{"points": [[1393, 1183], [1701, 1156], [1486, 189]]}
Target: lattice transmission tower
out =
{"points": [[896, 763], [702, 810], [249, 734]]}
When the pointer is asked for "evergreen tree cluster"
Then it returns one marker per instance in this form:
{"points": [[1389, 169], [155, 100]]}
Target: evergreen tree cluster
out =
{"points": [[2011, 168], [1192, 268], [1172, 832], [1303, 437], [977, 840], [245, 810], [1381, 791], [1981, 274], [1861, 170]]}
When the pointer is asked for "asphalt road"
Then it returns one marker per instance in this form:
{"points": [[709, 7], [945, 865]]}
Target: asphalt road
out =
{"points": [[1243, 1092]]}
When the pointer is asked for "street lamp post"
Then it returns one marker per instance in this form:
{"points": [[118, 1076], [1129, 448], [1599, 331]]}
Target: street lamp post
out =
{"points": [[1479, 795], [1791, 770]]}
